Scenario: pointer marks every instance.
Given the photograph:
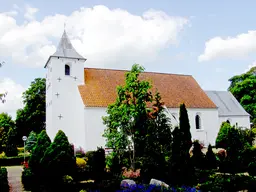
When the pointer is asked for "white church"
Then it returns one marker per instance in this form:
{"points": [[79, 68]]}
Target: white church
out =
{"points": [[77, 98]]}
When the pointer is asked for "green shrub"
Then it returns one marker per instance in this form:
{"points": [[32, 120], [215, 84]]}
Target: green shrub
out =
{"points": [[99, 163], [10, 161], [211, 160], [222, 137], [31, 141], [4, 186], [28, 179], [59, 158], [217, 183], [198, 158], [43, 142]]}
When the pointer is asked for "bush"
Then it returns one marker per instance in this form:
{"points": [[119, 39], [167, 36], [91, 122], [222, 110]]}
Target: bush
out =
{"points": [[80, 163], [4, 187], [80, 152], [59, 159], [198, 158], [211, 160], [28, 179], [222, 137], [10, 161], [43, 142], [217, 183]]}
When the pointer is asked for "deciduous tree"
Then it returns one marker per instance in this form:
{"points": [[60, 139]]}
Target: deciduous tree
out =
{"points": [[127, 117], [32, 116], [243, 87]]}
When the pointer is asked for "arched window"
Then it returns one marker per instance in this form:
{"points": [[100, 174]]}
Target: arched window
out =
{"points": [[198, 122], [228, 121], [67, 70]]}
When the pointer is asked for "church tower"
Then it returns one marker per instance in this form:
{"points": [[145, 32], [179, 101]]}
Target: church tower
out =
{"points": [[64, 106]]}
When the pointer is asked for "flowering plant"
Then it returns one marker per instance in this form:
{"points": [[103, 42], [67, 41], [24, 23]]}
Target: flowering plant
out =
{"points": [[25, 164], [130, 174]]}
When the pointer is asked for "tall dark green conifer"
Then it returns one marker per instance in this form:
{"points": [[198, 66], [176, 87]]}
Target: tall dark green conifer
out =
{"points": [[42, 143], [181, 169], [59, 158], [211, 158]]}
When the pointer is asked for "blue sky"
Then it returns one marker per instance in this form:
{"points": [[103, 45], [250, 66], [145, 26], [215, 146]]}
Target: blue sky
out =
{"points": [[210, 40]]}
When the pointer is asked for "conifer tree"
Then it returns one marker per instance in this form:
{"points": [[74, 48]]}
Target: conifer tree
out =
{"points": [[42, 143], [59, 158], [181, 169], [211, 158], [198, 158], [31, 141]]}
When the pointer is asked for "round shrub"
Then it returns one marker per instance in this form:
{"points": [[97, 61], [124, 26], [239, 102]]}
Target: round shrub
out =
{"points": [[81, 163]]}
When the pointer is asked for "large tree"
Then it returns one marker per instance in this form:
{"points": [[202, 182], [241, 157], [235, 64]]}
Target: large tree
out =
{"points": [[243, 87], [32, 116], [6, 123], [181, 169], [127, 116]]}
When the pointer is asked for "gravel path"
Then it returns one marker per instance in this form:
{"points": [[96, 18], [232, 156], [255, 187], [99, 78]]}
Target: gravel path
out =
{"points": [[14, 178]]}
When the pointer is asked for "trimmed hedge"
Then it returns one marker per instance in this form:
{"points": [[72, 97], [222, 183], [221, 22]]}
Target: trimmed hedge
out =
{"points": [[4, 186], [9, 161]]}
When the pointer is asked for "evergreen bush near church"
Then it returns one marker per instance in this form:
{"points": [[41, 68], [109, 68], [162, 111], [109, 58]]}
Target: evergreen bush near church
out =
{"points": [[59, 159], [211, 160], [43, 142], [198, 158]]}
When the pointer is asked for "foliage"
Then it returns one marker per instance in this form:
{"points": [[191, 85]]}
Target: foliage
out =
{"points": [[59, 158], [42, 144], [181, 168], [99, 163], [80, 152], [2, 155], [11, 148], [211, 160], [126, 117], [80, 163], [27, 179], [31, 141], [198, 158], [221, 182], [6, 123], [243, 88], [222, 137], [11, 161], [236, 142], [4, 186], [32, 116]]}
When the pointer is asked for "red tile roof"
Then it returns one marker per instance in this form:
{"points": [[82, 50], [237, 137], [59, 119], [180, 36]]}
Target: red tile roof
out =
{"points": [[100, 88]]}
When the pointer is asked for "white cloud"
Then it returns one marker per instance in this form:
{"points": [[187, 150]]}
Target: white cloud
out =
{"points": [[105, 37], [30, 12], [230, 47], [13, 97], [250, 66]]}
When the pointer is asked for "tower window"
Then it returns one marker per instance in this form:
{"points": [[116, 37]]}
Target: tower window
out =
{"points": [[198, 122], [67, 70]]}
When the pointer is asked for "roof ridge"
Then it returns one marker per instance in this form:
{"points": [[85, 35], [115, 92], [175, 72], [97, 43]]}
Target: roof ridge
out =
{"points": [[142, 72]]}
